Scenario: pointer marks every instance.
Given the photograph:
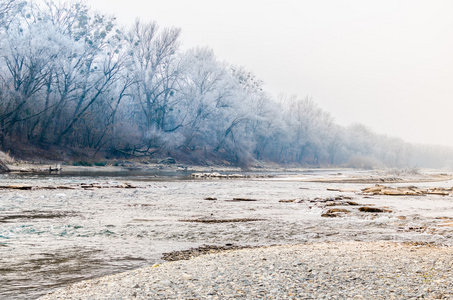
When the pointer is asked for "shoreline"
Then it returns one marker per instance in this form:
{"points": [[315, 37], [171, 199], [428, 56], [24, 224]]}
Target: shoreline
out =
{"points": [[134, 165], [359, 270], [295, 174]]}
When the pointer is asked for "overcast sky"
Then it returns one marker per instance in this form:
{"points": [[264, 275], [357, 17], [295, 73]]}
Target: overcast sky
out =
{"points": [[386, 64]]}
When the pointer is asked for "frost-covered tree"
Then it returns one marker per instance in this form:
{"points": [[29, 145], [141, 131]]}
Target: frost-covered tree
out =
{"points": [[8, 10], [71, 77], [155, 70], [29, 51], [61, 62]]}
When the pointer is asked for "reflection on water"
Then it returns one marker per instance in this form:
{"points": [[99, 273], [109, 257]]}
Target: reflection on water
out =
{"points": [[50, 238]]}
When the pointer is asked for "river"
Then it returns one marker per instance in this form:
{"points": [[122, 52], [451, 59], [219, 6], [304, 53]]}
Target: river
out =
{"points": [[50, 238]]}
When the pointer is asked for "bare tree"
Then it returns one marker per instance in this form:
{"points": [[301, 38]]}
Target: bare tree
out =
{"points": [[8, 10], [155, 70]]}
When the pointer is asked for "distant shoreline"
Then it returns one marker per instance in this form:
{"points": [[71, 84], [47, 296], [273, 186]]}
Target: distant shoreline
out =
{"points": [[333, 175]]}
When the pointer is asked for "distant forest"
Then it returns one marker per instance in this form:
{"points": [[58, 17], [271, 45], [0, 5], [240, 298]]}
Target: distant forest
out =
{"points": [[73, 82]]}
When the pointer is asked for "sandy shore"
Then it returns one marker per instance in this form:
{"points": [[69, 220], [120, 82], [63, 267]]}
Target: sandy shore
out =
{"points": [[340, 270]]}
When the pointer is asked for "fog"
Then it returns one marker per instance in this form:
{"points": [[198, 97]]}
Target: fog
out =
{"points": [[385, 64], [77, 84]]}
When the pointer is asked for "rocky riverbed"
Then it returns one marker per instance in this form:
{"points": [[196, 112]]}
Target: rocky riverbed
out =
{"points": [[339, 270], [86, 227]]}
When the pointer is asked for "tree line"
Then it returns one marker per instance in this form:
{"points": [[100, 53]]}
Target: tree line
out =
{"points": [[73, 78]]}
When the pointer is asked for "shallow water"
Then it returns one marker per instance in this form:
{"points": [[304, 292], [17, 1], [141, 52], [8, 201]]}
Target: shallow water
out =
{"points": [[50, 238]]}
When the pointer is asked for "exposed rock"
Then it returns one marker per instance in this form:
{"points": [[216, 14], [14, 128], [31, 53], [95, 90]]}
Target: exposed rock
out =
{"points": [[342, 190], [216, 175], [322, 199], [141, 205], [97, 186], [210, 198], [236, 176], [62, 187], [439, 189], [373, 209], [208, 175], [287, 201], [202, 250], [406, 191], [438, 192], [73, 187], [241, 200], [390, 191], [337, 210], [228, 176], [334, 203], [330, 201], [16, 187], [222, 220], [32, 214], [326, 215]]}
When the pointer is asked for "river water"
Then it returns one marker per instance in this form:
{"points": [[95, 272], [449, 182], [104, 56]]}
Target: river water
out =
{"points": [[51, 238]]}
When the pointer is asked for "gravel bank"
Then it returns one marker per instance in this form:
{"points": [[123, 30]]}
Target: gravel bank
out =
{"points": [[340, 270]]}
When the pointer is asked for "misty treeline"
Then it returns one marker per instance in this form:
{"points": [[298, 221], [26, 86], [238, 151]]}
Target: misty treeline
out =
{"points": [[73, 78]]}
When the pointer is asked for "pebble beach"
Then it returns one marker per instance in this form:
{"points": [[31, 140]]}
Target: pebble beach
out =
{"points": [[327, 270]]}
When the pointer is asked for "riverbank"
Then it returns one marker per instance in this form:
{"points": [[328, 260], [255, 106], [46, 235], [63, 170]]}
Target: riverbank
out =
{"points": [[334, 175], [341, 270]]}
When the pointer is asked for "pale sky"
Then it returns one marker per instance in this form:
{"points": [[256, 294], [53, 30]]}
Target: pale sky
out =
{"points": [[387, 64]]}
